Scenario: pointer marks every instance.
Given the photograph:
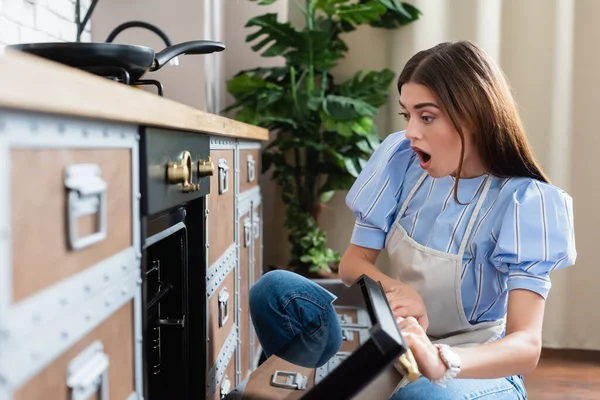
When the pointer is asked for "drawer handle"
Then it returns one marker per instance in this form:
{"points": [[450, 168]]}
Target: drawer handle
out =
{"points": [[223, 306], [247, 232], [250, 163], [181, 172], [88, 372], [256, 226], [347, 335], [87, 195], [223, 176], [293, 380], [225, 387]]}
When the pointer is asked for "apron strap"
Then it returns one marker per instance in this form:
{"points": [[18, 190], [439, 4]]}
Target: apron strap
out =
{"points": [[410, 195], [465, 239]]}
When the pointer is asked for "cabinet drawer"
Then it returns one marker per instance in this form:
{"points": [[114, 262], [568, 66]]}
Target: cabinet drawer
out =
{"points": [[221, 315], [221, 219], [221, 378], [355, 326], [249, 168], [109, 348], [70, 209], [227, 381], [245, 246]]}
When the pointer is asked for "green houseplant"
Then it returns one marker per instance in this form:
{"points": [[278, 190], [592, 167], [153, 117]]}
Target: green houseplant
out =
{"points": [[324, 129]]}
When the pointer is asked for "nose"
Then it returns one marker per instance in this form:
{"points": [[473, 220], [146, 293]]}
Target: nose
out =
{"points": [[412, 131]]}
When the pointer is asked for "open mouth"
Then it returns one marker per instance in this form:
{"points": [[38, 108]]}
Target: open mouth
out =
{"points": [[424, 157]]}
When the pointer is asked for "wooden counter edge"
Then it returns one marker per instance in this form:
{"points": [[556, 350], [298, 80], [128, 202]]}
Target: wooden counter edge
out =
{"points": [[34, 84]]}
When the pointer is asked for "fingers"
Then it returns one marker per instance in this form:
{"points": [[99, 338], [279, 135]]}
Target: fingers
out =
{"points": [[424, 322], [409, 324]]}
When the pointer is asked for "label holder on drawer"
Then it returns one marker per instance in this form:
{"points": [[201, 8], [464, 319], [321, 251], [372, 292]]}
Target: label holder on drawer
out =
{"points": [[225, 387], [223, 307], [247, 232], [250, 163], [87, 195], [88, 373], [223, 176]]}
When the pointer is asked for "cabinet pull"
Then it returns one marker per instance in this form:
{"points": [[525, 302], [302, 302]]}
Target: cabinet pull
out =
{"points": [[250, 163], [293, 380], [86, 195], [223, 176], [88, 372], [223, 306], [247, 232], [225, 386], [256, 226]]}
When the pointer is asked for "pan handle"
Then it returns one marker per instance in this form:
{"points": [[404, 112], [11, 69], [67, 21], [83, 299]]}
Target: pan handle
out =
{"points": [[191, 47]]}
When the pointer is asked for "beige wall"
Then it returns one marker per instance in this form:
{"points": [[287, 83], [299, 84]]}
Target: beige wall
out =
{"points": [[181, 20]]}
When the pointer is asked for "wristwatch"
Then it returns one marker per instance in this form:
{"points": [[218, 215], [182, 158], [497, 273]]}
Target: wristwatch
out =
{"points": [[452, 361]]}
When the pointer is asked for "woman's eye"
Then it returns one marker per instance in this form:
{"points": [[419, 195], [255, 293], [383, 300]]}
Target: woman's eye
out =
{"points": [[427, 119], [404, 115]]}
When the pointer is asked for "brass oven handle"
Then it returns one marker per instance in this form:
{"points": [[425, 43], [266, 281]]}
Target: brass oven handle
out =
{"points": [[181, 172], [206, 168]]}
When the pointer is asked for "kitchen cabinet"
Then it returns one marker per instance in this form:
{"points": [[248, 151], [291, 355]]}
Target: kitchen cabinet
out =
{"points": [[130, 236], [237, 175], [70, 304]]}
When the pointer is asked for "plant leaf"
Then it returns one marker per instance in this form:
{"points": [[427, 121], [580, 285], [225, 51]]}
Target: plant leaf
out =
{"points": [[326, 196], [345, 108], [350, 167], [397, 14]]}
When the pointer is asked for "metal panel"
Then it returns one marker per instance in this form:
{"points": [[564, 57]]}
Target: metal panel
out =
{"points": [[216, 372], [236, 230], [247, 199], [161, 146], [249, 145], [225, 262], [222, 143], [21, 129]]}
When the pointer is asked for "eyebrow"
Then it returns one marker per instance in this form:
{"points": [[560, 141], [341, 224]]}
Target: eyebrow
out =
{"points": [[421, 105]]}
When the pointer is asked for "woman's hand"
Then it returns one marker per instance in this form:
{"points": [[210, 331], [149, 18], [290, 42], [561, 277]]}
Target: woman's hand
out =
{"points": [[406, 302], [426, 354]]}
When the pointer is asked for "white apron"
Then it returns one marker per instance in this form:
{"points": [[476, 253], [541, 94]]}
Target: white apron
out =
{"points": [[436, 276]]}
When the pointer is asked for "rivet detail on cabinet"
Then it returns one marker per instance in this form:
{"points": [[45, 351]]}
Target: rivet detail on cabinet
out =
{"points": [[52, 340], [226, 259], [68, 295], [219, 143], [225, 355]]}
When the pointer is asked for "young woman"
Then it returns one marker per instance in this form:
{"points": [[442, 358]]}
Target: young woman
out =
{"points": [[472, 228]]}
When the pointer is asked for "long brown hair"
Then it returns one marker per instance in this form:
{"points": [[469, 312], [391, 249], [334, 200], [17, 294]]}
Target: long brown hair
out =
{"points": [[473, 90]]}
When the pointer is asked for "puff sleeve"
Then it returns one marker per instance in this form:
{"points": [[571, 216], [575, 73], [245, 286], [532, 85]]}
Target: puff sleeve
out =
{"points": [[535, 236], [373, 197]]}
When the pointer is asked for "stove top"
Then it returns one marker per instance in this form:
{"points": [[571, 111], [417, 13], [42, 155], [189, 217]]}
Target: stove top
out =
{"points": [[119, 74]]}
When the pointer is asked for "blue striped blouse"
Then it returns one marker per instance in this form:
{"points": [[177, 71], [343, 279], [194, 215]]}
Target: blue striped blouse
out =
{"points": [[524, 229]]}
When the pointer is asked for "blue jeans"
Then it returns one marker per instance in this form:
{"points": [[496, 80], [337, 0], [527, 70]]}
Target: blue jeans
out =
{"points": [[295, 320]]}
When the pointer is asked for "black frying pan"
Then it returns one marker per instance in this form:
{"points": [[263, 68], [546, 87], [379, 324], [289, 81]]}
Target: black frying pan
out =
{"points": [[136, 60]]}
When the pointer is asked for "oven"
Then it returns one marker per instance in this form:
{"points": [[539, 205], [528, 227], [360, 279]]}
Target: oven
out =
{"points": [[175, 172]]}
